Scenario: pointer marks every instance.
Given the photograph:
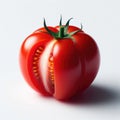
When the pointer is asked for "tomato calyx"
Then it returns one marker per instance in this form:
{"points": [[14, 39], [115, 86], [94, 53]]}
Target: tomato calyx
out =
{"points": [[63, 30]]}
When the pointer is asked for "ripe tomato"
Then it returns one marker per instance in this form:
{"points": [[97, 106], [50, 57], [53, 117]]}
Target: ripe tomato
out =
{"points": [[59, 61]]}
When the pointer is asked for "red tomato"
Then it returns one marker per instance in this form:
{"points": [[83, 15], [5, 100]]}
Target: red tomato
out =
{"points": [[59, 61]]}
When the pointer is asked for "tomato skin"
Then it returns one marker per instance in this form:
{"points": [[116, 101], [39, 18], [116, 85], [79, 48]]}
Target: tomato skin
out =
{"points": [[89, 51], [76, 62]]}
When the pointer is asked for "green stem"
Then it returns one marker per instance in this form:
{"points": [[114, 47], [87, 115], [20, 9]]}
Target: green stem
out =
{"points": [[61, 32]]}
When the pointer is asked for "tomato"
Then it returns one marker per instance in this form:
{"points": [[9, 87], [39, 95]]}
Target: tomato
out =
{"points": [[59, 61]]}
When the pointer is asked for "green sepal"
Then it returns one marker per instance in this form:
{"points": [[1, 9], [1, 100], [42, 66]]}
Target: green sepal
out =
{"points": [[66, 26], [60, 24], [49, 31], [63, 29], [81, 27], [74, 32]]}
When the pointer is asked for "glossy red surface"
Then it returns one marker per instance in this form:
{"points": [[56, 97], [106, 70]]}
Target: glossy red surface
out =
{"points": [[74, 62]]}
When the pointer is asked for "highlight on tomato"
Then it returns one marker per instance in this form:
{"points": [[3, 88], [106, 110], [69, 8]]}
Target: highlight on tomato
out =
{"points": [[59, 61]]}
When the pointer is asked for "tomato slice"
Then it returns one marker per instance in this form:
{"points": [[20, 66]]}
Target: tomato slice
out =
{"points": [[31, 50]]}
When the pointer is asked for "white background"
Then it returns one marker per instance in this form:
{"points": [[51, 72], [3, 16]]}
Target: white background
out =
{"points": [[100, 19]]}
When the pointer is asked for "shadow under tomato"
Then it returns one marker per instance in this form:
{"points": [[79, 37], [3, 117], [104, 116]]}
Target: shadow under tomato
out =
{"points": [[94, 95]]}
